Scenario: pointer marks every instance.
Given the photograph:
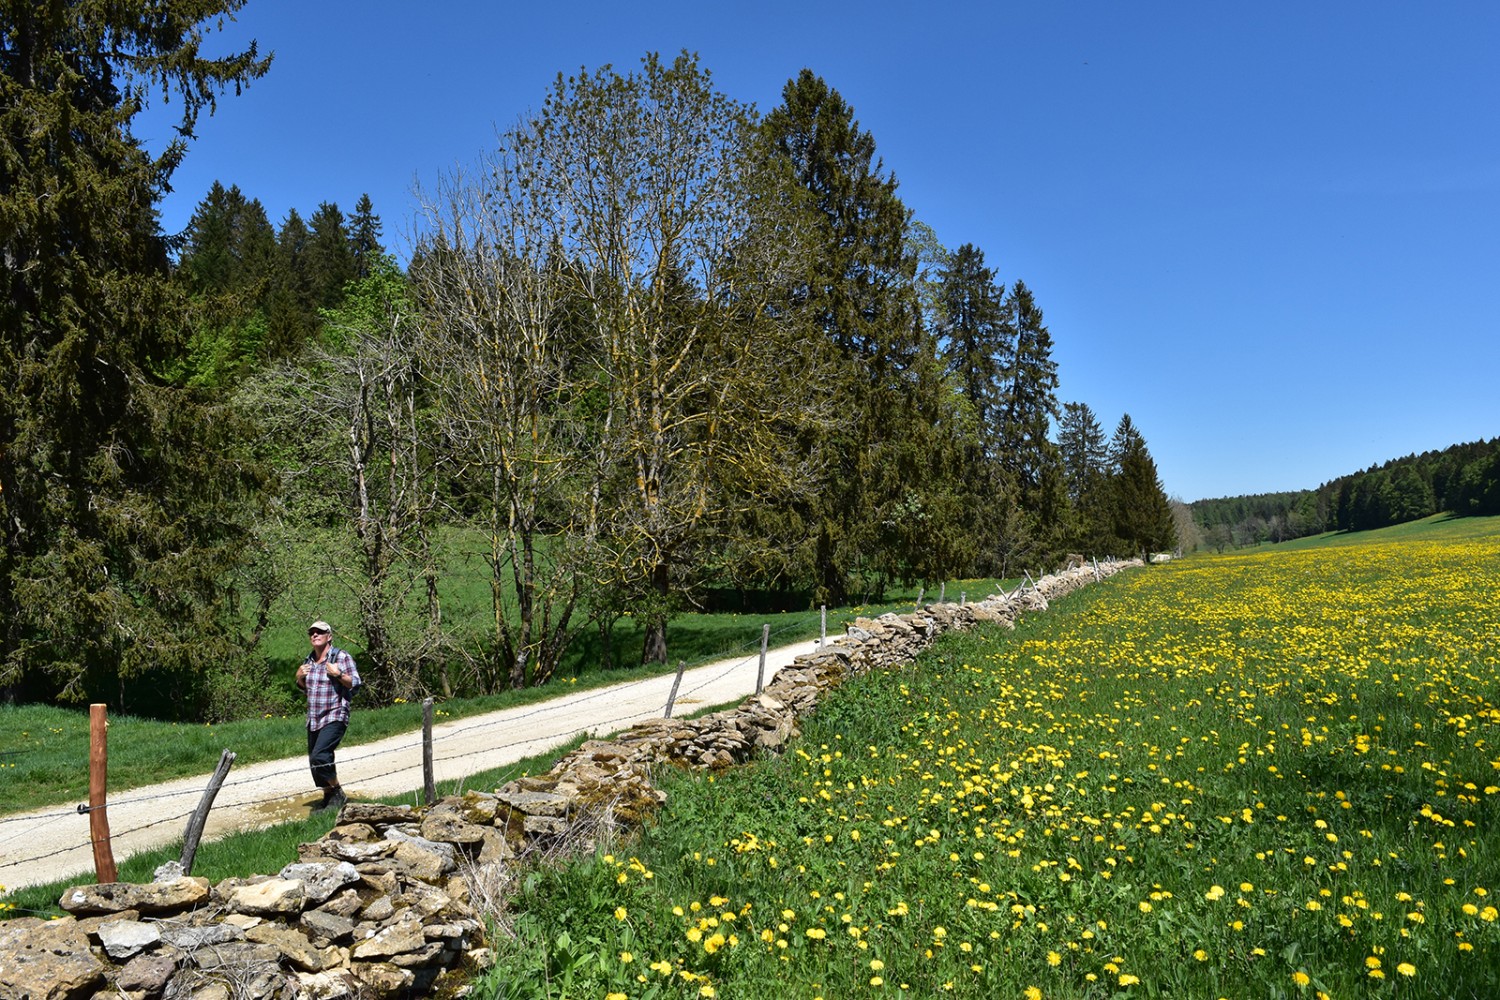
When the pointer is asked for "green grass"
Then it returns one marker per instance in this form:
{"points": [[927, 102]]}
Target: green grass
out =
{"points": [[1258, 775], [44, 750]]}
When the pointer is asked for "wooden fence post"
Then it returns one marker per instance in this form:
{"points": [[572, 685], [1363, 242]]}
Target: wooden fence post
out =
{"points": [[943, 592], [921, 592], [194, 832], [760, 673], [823, 628], [429, 786], [104, 857], [671, 698]]}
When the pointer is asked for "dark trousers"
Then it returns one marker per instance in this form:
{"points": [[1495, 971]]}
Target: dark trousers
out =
{"points": [[321, 743]]}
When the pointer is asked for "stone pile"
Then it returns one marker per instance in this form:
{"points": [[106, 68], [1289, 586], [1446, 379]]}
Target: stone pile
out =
{"points": [[384, 905]]}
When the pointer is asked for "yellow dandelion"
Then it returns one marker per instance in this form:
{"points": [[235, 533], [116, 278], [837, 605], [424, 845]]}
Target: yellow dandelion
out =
{"points": [[1407, 969], [1301, 978]]}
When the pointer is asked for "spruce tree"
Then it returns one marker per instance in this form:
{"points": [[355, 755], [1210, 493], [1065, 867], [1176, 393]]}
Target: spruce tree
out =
{"points": [[291, 311], [1086, 464], [364, 238], [971, 326], [329, 256], [1028, 398], [119, 512], [1143, 516], [857, 289]]}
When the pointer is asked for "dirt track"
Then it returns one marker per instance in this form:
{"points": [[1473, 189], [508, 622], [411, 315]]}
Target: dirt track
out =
{"points": [[52, 844]]}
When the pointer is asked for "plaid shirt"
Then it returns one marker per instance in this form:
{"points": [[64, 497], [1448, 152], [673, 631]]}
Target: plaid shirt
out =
{"points": [[328, 699]]}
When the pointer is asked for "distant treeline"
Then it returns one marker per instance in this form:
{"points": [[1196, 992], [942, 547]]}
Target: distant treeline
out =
{"points": [[1463, 479]]}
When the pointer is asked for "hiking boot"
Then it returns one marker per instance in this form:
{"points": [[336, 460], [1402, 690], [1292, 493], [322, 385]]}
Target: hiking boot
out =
{"points": [[336, 801]]}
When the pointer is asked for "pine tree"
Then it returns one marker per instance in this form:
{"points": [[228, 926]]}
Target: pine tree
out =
{"points": [[228, 257], [971, 326], [329, 257], [859, 291], [291, 311], [364, 238], [1143, 515], [119, 514], [1028, 398], [1086, 465]]}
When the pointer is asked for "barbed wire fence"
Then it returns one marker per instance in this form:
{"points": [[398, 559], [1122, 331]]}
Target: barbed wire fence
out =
{"points": [[37, 823]]}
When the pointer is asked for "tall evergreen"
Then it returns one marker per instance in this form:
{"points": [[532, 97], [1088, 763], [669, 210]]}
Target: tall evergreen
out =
{"points": [[858, 290], [1143, 516], [972, 328], [329, 257], [291, 308], [364, 238], [1085, 455], [117, 510], [1028, 399]]}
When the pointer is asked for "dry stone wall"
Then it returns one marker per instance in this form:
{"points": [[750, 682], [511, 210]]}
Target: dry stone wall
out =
{"points": [[390, 901]]}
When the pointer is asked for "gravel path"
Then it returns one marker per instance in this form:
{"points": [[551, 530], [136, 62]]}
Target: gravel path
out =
{"points": [[50, 844]]}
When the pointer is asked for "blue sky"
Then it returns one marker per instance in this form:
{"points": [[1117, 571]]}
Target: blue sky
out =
{"points": [[1269, 232]]}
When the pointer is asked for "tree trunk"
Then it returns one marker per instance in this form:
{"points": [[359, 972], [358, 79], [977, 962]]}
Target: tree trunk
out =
{"points": [[654, 649]]}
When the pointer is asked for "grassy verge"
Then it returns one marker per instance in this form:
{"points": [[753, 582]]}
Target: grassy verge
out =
{"points": [[1266, 775], [44, 750]]}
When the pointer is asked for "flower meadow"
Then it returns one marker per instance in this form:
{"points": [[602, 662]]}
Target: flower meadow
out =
{"points": [[1246, 776]]}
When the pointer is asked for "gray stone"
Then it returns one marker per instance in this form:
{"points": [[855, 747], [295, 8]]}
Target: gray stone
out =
{"points": [[295, 947], [321, 880], [544, 826], [326, 986], [124, 938], [269, 898], [535, 803], [495, 847], [330, 927], [446, 851], [189, 938], [427, 900], [146, 973], [401, 937], [379, 909], [383, 978], [233, 955], [376, 814], [422, 863], [154, 897], [451, 828], [168, 871], [358, 853], [425, 955], [47, 960], [344, 904]]}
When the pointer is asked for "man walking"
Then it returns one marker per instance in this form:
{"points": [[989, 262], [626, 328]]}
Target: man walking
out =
{"points": [[329, 678]]}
